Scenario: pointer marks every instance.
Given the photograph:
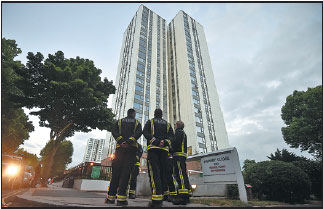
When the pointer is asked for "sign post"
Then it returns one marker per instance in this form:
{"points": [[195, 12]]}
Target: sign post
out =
{"points": [[222, 167]]}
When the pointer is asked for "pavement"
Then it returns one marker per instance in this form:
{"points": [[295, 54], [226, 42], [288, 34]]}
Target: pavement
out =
{"points": [[55, 196]]}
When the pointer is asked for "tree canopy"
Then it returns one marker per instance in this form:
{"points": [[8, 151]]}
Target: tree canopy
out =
{"points": [[67, 95], [302, 113], [286, 156], [62, 157], [15, 126], [30, 159]]}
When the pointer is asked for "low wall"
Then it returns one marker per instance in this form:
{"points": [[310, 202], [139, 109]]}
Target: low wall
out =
{"points": [[202, 189], [91, 185]]}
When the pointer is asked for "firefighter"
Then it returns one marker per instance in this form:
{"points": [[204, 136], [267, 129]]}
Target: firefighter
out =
{"points": [[126, 132], [159, 134], [179, 160], [171, 193], [134, 174]]}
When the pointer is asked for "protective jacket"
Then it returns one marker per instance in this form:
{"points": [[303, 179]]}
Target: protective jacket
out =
{"points": [[179, 144], [131, 131], [158, 129]]}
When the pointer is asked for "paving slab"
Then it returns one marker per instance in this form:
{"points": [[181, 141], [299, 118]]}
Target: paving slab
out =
{"points": [[54, 195]]}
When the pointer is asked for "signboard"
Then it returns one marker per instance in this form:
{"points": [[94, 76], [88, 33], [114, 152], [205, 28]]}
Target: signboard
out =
{"points": [[96, 172], [222, 167], [217, 164]]}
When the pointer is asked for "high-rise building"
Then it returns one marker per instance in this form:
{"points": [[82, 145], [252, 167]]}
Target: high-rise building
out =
{"points": [[169, 67], [142, 72], [193, 96], [94, 150]]}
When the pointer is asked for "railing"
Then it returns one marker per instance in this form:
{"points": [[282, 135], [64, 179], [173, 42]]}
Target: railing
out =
{"points": [[84, 171]]}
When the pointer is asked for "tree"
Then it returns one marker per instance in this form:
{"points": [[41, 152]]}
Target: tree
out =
{"points": [[62, 157], [67, 95], [15, 127], [247, 163], [278, 180], [30, 159], [285, 156], [302, 113]]}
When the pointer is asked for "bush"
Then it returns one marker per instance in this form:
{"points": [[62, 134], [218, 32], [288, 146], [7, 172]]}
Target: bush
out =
{"points": [[232, 191], [314, 171], [278, 181]]}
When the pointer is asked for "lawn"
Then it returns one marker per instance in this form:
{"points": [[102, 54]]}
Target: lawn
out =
{"points": [[237, 203]]}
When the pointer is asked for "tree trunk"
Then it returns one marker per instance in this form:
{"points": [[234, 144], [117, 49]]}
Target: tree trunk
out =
{"points": [[48, 166]]}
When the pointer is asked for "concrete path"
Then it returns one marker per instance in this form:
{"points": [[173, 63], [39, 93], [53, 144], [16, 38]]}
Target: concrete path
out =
{"points": [[55, 195]]}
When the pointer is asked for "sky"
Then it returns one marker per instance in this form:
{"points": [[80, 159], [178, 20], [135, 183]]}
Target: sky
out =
{"points": [[260, 54]]}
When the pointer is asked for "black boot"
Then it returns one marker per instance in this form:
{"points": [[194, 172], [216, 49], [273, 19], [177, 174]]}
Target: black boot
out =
{"points": [[165, 198], [122, 203], [179, 201], [109, 201], [155, 203], [132, 196]]}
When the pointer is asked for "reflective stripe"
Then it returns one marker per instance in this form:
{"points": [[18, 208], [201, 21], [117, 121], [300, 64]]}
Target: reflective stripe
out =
{"points": [[132, 138], [119, 123], [110, 197], [152, 140], [157, 197], [180, 174], [121, 198], [155, 147], [169, 142], [152, 178], [173, 193], [182, 154], [134, 130], [170, 156], [166, 193], [168, 127], [132, 192], [183, 191], [137, 163], [152, 127], [190, 192], [120, 137], [118, 146]]}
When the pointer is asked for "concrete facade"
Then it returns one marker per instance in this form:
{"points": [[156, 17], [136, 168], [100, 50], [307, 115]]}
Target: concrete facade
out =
{"points": [[94, 150], [177, 76]]}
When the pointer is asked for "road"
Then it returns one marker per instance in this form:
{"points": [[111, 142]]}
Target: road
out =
{"points": [[9, 199]]}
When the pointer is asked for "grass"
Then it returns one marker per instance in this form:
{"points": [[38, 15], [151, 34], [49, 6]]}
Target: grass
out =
{"points": [[237, 203]]}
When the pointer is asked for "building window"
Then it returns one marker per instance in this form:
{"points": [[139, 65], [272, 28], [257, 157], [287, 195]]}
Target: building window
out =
{"points": [[139, 88]]}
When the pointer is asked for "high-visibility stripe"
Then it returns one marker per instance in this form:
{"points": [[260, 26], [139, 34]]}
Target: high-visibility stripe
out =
{"points": [[119, 123], [110, 197], [170, 156], [157, 197], [182, 154], [132, 139], [190, 192], [152, 178], [155, 147], [169, 142], [137, 163], [173, 193], [134, 130], [152, 140], [166, 192], [183, 144], [168, 125], [132, 192], [183, 191], [180, 174], [121, 198], [120, 137], [118, 146], [152, 127]]}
